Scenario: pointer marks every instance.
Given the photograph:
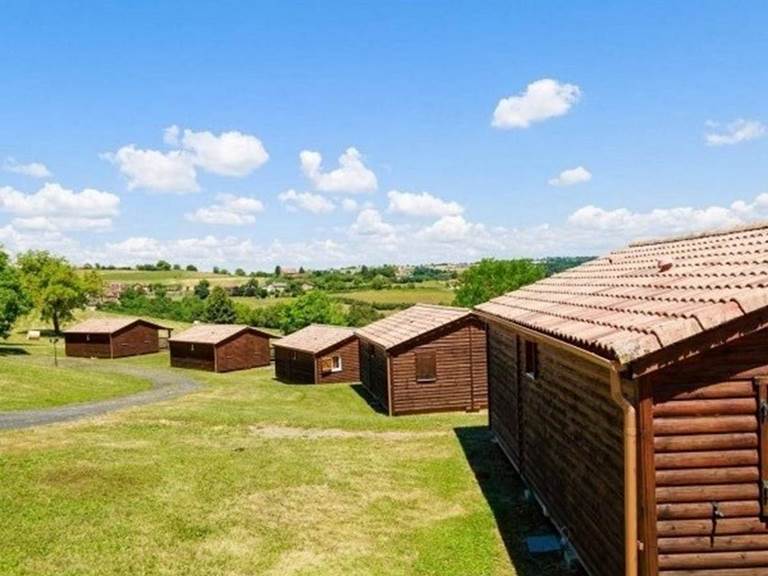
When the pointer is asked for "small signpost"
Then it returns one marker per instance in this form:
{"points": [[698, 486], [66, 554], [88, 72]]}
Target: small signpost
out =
{"points": [[54, 340]]}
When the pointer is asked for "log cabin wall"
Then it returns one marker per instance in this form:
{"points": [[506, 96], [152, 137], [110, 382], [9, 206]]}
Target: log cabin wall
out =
{"points": [[460, 381], [87, 345], [374, 372], [134, 340], [564, 433], [349, 352], [188, 355], [242, 351], [707, 462], [294, 366]]}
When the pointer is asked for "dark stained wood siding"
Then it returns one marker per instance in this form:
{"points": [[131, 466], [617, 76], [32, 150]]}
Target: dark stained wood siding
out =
{"points": [[350, 363], [294, 366], [246, 350], [707, 454], [138, 339], [461, 375], [197, 356], [87, 345], [564, 433], [374, 372]]}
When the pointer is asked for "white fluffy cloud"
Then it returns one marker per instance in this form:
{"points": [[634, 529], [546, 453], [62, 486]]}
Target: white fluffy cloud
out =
{"points": [[351, 176], [350, 205], [228, 154], [451, 229], [154, 170], [734, 132], [572, 176], [306, 201], [370, 223], [54, 207], [32, 169], [226, 251], [229, 210], [423, 204], [542, 99]]}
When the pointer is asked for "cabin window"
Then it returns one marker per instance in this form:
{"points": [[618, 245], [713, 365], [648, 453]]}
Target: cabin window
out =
{"points": [[532, 359], [336, 364], [426, 366]]}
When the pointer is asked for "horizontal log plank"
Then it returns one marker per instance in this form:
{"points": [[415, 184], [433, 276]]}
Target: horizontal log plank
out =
{"points": [[711, 459], [718, 543], [724, 406], [705, 425], [707, 493], [705, 442], [723, 526], [714, 560], [732, 509], [704, 476]]}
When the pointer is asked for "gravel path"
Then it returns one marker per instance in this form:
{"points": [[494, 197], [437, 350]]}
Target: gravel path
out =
{"points": [[165, 386]]}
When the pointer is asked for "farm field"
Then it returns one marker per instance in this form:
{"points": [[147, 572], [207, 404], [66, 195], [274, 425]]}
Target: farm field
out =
{"points": [[251, 476], [182, 277], [427, 295]]}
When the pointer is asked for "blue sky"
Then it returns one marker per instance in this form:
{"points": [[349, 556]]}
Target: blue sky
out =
{"points": [[624, 120]]}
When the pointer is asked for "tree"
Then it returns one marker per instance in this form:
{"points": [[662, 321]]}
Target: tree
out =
{"points": [[239, 272], [191, 268], [203, 289], [163, 265], [278, 271], [13, 299], [362, 314], [490, 278], [219, 308], [177, 266], [54, 286], [313, 308]]}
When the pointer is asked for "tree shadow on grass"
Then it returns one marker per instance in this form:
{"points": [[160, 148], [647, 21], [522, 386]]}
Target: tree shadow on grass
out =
{"points": [[369, 398], [10, 350], [516, 517]]}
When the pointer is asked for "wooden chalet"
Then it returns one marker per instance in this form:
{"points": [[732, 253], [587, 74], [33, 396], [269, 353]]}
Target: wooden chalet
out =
{"points": [[425, 359], [114, 337], [631, 392], [220, 347], [318, 354]]}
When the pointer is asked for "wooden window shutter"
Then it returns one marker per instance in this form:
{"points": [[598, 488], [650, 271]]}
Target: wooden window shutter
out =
{"points": [[326, 365], [426, 366], [761, 389]]}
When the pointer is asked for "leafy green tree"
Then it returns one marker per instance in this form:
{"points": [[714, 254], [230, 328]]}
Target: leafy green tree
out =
{"points": [[278, 271], [203, 289], [191, 268], [490, 278], [163, 265], [13, 299], [362, 314], [219, 308], [55, 287], [239, 272], [315, 307]]}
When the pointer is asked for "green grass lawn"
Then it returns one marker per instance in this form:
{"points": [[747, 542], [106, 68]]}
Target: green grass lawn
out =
{"points": [[427, 295], [26, 383], [249, 476]]}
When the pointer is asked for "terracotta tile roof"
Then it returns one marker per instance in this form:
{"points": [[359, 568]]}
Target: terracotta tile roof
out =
{"points": [[649, 295], [105, 325], [316, 338], [211, 333], [411, 323]]}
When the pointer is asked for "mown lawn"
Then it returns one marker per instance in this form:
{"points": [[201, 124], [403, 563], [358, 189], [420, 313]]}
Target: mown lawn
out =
{"points": [[249, 476], [26, 384], [432, 295]]}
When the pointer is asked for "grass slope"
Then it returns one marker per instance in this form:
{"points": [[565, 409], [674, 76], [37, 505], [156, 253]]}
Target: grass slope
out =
{"points": [[25, 384], [251, 476]]}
